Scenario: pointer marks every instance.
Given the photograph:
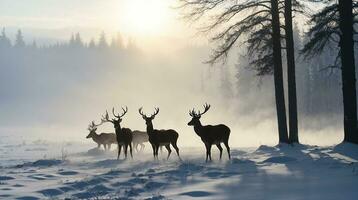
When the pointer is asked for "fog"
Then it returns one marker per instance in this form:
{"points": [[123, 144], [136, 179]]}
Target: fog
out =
{"points": [[52, 92]]}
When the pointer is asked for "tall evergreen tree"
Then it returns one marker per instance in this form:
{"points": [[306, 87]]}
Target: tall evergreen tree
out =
{"points": [[4, 40], [345, 8], [78, 41], [334, 24], [291, 73], [278, 77], [19, 42], [102, 43], [92, 44]]}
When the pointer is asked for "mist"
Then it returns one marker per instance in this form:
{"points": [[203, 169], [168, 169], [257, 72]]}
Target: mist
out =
{"points": [[52, 92]]}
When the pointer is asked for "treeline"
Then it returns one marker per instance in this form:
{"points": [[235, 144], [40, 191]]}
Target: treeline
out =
{"points": [[40, 72], [74, 42]]}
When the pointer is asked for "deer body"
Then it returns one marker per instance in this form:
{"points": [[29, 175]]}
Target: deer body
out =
{"points": [[124, 138], [210, 134], [123, 135], [158, 138], [139, 137], [105, 139]]}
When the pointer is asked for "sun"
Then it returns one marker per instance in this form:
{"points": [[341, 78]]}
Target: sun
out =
{"points": [[145, 17]]}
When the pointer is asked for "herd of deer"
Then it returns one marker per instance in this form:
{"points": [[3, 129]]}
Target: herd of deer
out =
{"points": [[210, 134]]}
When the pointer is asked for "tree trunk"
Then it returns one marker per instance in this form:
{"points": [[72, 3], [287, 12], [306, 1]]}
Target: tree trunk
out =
{"points": [[278, 77], [291, 74], [348, 71]]}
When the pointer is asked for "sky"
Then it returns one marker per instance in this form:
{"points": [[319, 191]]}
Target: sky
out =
{"points": [[145, 21]]}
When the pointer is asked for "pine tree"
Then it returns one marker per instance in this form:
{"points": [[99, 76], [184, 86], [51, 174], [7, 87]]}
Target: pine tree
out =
{"points": [[4, 40], [19, 42], [92, 44], [334, 25], [102, 43], [72, 42], [291, 73], [78, 41]]}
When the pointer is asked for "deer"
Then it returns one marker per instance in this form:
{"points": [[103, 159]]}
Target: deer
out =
{"points": [[139, 137], [105, 139], [210, 134], [123, 135], [158, 138]]}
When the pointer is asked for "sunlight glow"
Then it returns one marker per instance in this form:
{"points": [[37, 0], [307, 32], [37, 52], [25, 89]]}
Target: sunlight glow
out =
{"points": [[145, 17]]}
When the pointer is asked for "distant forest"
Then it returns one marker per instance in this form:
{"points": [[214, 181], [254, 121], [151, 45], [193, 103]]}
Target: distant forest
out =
{"points": [[318, 92]]}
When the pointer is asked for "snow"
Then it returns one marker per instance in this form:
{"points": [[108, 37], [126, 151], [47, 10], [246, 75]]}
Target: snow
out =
{"points": [[40, 170]]}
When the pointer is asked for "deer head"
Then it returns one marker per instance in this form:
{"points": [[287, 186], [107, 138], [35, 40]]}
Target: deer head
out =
{"points": [[92, 127], [196, 116], [148, 120], [117, 117]]}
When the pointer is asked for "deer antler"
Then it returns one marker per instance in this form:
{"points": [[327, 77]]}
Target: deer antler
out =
{"points": [[124, 111], [105, 118], [155, 113], [92, 125], [140, 110], [119, 116], [206, 108], [192, 113]]}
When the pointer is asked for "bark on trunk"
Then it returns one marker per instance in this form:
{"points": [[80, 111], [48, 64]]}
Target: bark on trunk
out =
{"points": [[348, 71], [291, 74]]}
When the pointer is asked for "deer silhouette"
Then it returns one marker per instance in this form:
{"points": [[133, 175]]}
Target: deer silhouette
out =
{"points": [[139, 137], [105, 139], [159, 138], [210, 134], [123, 135]]}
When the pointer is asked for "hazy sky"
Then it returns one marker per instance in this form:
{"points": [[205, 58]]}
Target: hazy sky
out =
{"points": [[137, 19]]}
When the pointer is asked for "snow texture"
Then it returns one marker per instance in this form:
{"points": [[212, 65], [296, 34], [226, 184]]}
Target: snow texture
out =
{"points": [[297, 172]]}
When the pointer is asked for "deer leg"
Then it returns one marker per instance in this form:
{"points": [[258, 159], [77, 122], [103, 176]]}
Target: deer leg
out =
{"points": [[209, 151], [135, 145], [109, 147], [227, 148], [174, 144], [98, 145], [105, 147], [125, 150], [153, 151], [156, 151], [130, 150], [169, 150], [220, 149], [119, 151]]}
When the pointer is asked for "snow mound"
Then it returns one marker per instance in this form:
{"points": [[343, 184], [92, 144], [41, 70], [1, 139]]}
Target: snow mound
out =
{"points": [[197, 194], [279, 159], [67, 173], [95, 152], [6, 178], [158, 197], [264, 148], [347, 149], [41, 163]]}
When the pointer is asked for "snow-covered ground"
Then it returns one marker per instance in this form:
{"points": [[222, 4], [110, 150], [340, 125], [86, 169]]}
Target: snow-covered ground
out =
{"points": [[44, 170]]}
